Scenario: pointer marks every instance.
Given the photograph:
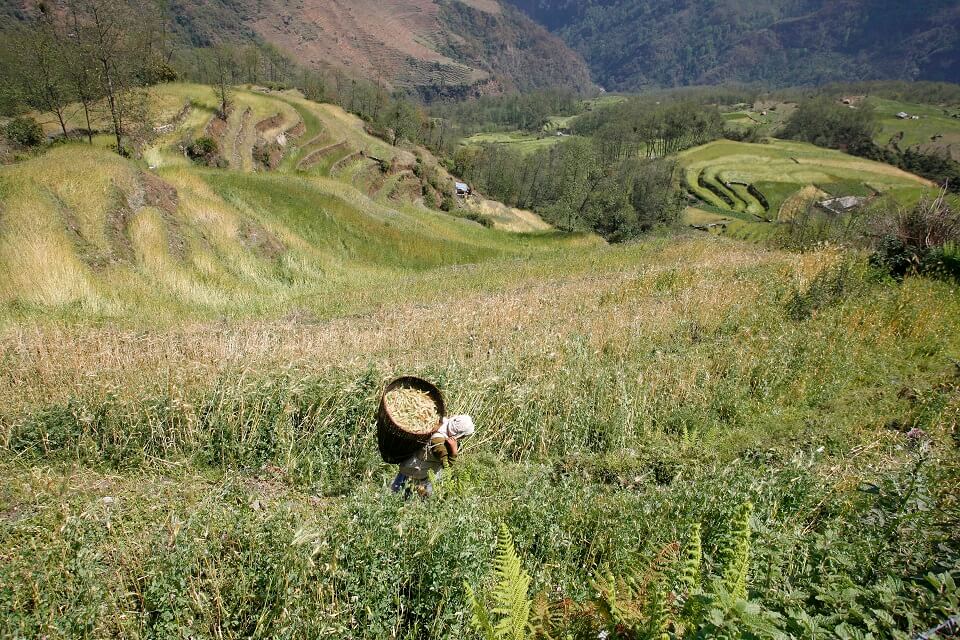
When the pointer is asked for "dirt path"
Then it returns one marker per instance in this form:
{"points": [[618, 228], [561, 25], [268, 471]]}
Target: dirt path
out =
{"points": [[242, 152]]}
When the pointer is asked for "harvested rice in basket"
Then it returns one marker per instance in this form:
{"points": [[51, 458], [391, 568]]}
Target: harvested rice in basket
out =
{"points": [[412, 410]]}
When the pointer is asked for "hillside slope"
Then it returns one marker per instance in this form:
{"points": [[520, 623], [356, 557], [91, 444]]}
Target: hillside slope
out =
{"points": [[453, 47], [631, 44], [86, 230]]}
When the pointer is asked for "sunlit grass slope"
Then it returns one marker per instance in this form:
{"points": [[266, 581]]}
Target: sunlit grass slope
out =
{"points": [[85, 231], [220, 479]]}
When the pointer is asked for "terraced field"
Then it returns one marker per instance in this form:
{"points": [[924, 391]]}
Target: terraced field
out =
{"points": [[516, 140], [936, 131], [86, 228], [753, 181]]}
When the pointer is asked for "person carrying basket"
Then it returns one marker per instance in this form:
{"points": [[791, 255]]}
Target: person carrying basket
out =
{"points": [[438, 454]]}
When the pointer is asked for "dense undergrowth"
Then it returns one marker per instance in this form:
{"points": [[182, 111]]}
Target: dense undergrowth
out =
{"points": [[157, 489]]}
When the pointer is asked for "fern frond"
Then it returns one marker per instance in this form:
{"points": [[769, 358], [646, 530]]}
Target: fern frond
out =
{"points": [[736, 554], [657, 612], [511, 606], [479, 617], [510, 592], [691, 558]]}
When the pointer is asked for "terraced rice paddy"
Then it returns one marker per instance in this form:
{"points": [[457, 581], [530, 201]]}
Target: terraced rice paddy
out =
{"points": [[754, 181]]}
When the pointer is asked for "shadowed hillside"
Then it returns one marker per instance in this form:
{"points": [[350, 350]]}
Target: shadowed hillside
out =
{"points": [[631, 44], [432, 46]]}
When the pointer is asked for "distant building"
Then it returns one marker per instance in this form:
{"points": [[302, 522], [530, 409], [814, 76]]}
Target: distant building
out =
{"points": [[463, 189], [842, 205], [903, 115]]}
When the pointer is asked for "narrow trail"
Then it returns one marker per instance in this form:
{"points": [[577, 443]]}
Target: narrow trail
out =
{"points": [[242, 160]]}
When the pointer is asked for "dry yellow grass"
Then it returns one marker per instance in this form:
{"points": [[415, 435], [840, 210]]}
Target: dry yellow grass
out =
{"points": [[630, 294], [799, 201], [507, 218]]}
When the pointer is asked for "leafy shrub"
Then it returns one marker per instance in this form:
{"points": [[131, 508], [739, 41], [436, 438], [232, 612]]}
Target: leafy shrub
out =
{"points": [[430, 198], [478, 218], [203, 149], [449, 203], [921, 240], [24, 131]]}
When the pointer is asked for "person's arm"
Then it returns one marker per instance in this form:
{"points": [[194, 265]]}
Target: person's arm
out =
{"points": [[445, 449]]}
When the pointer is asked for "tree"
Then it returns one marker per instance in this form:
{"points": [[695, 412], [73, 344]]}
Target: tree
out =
{"points": [[404, 120], [107, 26], [40, 67], [223, 61], [79, 67]]}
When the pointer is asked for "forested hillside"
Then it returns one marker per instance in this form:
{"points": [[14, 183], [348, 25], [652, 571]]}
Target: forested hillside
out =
{"points": [[431, 47], [632, 44]]}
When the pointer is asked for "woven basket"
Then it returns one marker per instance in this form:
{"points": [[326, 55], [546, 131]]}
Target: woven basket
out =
{"points": [[395, 443]]}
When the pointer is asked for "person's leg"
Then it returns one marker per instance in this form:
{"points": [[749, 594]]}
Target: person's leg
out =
{"points": [[398, 483]]}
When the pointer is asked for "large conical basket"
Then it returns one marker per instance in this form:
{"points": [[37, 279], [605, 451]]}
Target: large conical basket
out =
{"points": [[395, 443]]}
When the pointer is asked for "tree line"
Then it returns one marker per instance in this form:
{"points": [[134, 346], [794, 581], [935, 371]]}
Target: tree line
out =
{"points": [[576, 186], [87, 57], [826, 123], [526, 111], [638, 127], [91, 60]]}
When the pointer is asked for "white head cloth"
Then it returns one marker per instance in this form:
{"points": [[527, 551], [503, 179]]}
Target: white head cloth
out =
{"points": [[457, 427]]}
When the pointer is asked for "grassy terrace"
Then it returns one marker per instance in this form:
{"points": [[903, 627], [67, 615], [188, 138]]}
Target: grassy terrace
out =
{"points": [[516, 140], [935, 127]]}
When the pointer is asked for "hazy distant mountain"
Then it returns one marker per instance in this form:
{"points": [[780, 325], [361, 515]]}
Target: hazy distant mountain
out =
{"points": [[630, 44]]}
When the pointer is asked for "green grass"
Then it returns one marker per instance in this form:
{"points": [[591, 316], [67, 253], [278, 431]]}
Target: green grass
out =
{"points": [[515, 140], [934, 121], [188, 391]]}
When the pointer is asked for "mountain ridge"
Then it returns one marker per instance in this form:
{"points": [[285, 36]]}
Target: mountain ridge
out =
{"points": [[451, 48]]}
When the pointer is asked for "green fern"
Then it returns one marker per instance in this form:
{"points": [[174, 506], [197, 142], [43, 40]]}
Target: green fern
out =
{"points": [[691, 557], [511, 606], [658, 612], [735, 554]]}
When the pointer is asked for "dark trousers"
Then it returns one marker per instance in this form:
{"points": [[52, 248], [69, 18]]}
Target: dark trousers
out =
{"points": [[423, 487]]}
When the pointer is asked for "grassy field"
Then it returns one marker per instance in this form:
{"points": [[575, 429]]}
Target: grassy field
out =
{"points": [[190, 362], [936, 130], [516, 140], [765, 116], [220, 478]]}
